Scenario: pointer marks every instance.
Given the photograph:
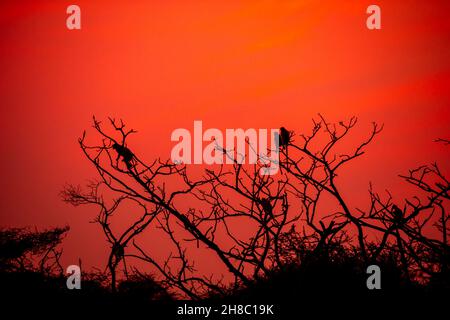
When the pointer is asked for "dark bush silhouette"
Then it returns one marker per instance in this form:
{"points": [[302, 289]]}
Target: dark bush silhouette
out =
{"points": [[30, 272], [24, 250]]}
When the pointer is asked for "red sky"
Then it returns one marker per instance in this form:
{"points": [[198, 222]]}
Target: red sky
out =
{"points": [[160, 65]]}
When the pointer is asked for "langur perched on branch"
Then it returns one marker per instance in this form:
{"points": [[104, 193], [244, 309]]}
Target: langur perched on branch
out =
{"points": [[397, 214], [124, 153], [118, 252], [267, 207], [284, 138]]}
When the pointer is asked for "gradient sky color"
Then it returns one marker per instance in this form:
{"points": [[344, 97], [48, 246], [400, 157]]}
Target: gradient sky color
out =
{"points": [[160, 65]]}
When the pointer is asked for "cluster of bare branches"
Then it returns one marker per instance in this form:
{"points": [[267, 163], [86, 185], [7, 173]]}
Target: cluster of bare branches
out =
{"points": [[257, 223]]}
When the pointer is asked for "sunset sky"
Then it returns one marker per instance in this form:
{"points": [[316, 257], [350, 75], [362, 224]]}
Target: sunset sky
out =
{"points": [[160, 65]]}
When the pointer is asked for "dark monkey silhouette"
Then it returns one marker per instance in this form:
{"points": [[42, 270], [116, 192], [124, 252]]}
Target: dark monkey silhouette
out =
{"points": [[267, 207], [124, 153], [118, 252], [397, 214], [284, 138]]}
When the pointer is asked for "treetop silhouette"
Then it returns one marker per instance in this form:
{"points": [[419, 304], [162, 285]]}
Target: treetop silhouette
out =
{"points": [[294, 219]]}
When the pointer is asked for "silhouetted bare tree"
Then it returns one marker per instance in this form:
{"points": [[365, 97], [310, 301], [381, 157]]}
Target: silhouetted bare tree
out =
{"points": [[288, 217]]}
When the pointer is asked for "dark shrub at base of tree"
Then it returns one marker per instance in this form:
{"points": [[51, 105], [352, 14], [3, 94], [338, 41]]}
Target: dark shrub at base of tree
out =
{"points": [[31, 274]]}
